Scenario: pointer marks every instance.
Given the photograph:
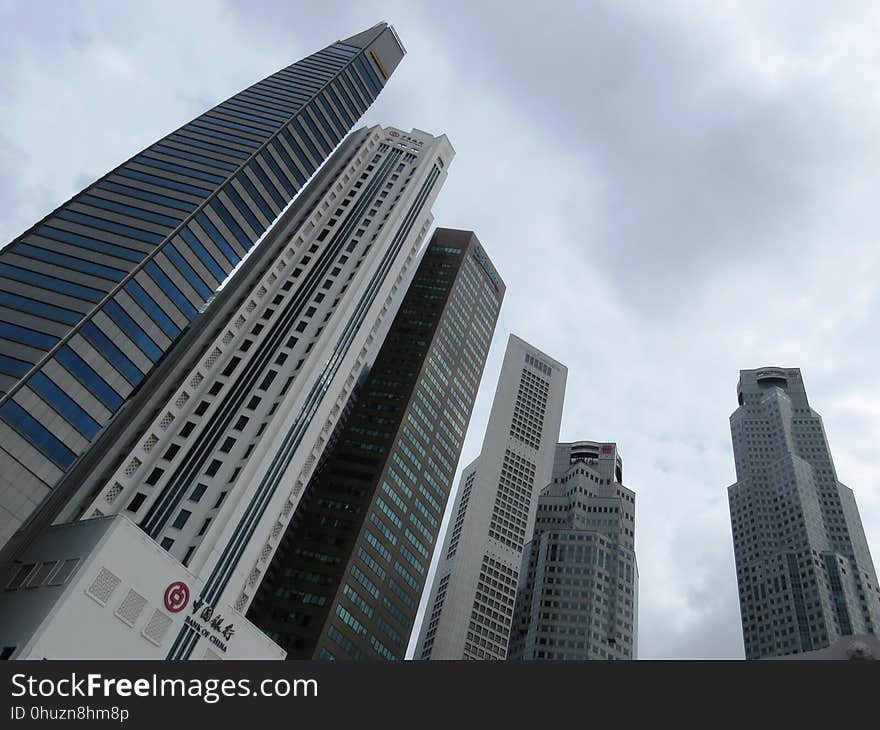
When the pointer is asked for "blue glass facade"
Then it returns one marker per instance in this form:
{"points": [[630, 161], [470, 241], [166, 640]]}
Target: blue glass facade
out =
{"points": [[96, 293]]}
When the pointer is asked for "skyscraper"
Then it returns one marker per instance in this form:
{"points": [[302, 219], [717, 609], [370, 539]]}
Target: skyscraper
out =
{"points": [[96, 294], [347, 578], [470, 609], [213, 459], [803, 568], [579, 581]]}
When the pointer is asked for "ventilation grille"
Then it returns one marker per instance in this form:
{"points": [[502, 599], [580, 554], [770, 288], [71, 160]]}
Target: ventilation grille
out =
{"points": [[276, 531], [261, 292], [240, 321], [272, 278], [131, 607], [103, 586], [241, 602], [253, 577], [228, 337], [166, 420], [265, 552], [132, 467], [150, 442], [251, 306], [213, 357], [196, 380], [113, 493], [156, 627], [288, 508]]}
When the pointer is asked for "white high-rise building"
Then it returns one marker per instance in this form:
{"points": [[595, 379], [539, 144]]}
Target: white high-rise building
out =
{"points": [[579, 581], [470, 609], [215, 470], [803, 567]]}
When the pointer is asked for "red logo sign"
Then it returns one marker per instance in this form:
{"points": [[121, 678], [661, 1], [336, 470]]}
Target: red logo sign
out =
{"points": [[392, 133], [176, 596], [606, 448]]}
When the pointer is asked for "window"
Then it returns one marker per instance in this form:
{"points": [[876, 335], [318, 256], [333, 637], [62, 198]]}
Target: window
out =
{"points": [[182, 517], [136, 502], [214, 467], [198, 492], [187, 428], [167, 542], [201, 408], [171, 452], [227, 445], [154, 477]]}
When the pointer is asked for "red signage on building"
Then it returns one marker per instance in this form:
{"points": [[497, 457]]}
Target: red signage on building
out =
{"points": [[176, 596]]}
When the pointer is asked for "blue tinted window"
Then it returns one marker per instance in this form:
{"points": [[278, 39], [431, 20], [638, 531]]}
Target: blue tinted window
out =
{"points": [[360, 84], [51, 283], [370, 75], [276, 168], [230, 110], [13, 366], [201, 159], [275, 116], [117, 358], [203, 255], [297, 79], [268, 184], [27, 336], [231, 223], [304, 159], [152, 310], [297, 125], [188, 272], [276, 145], [90, 220], [64, 405], [147, 195], [250, 94], [90, 243], [222, 135], [179, 169], [344, 109], [68, 262], [36, 433], [147, 215], [165, 182], [243, 208], [256, 196], [321, 131], [274, 88], [83, 372], [41, 309], [214, 119], [186, 137], [135, 332], [354, 105], [170, 288], [218, 240]]}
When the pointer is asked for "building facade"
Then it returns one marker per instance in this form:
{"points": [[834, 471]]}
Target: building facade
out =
{"points": [[804, 572], [470, 608], [579, 581], [96, 294], [347, 579], [215, 457]]}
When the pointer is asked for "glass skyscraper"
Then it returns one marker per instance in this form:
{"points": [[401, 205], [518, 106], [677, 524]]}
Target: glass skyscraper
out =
{"points": [[346, 580], [94, 295]]}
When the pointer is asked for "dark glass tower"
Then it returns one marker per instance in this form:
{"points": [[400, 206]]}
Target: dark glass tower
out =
{"points": [[94, 295], [346, 580]]}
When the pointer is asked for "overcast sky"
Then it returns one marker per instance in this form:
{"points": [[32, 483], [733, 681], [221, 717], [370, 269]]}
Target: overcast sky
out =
{"points": [[671, 191]]}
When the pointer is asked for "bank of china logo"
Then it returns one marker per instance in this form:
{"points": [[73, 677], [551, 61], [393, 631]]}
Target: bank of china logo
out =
{"points": [[392, 133], [176, 596]]}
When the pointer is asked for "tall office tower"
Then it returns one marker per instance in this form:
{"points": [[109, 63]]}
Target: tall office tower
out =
{"points": [[470, 610], [95, 294], [347, 579], [579, 582], [802, 562], [216, 452]]}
